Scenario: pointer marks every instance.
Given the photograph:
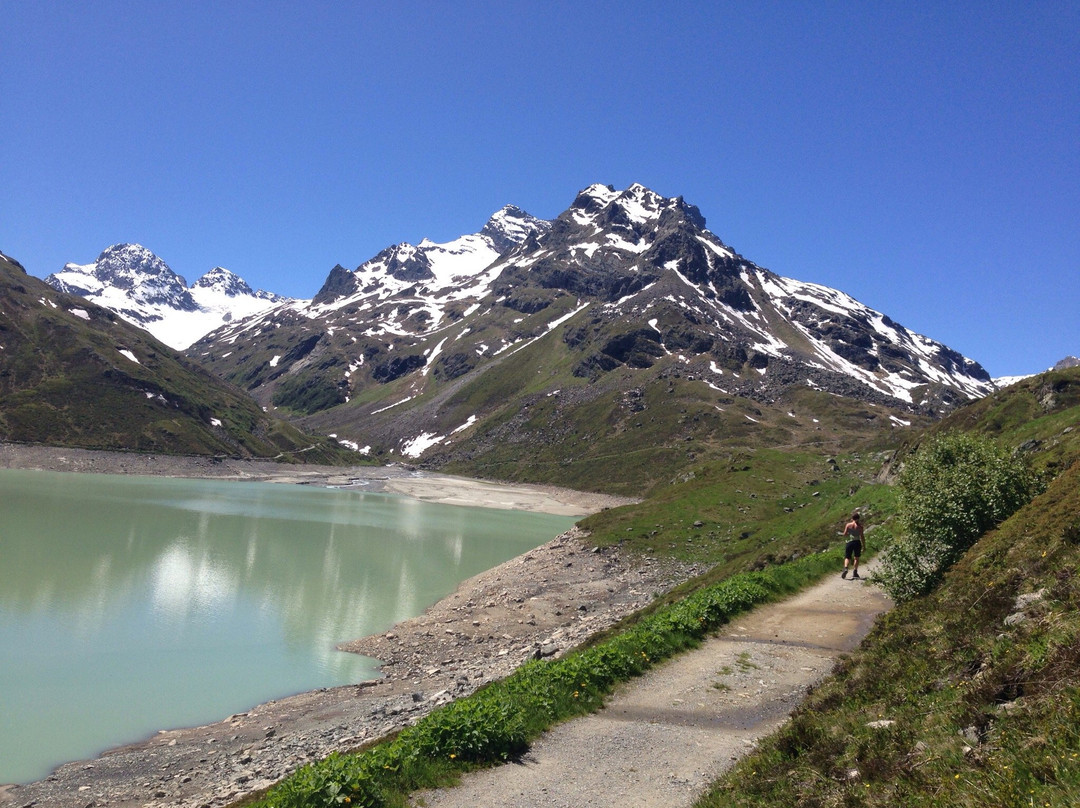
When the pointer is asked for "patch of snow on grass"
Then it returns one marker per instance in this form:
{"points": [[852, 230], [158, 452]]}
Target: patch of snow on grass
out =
{"points": [[469, 422], [129, 355], [434, 353], [350, 444], [275, 360], [421, 443], [81, 313], [391, 406]]}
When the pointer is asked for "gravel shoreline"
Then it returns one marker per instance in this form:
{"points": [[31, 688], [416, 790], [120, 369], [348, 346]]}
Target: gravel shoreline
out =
{"points": [[541, 603]]}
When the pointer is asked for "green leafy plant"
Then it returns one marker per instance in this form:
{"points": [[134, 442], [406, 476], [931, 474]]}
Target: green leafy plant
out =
{"points": [[952, 490]]}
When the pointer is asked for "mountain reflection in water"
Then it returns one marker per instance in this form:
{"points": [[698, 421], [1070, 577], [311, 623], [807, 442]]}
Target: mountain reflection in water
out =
{"points": [[132, 604]]}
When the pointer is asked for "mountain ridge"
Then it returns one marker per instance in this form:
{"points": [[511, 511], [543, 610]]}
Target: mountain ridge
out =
{"points": [[530, 333], [135, 283], [396, 356]]}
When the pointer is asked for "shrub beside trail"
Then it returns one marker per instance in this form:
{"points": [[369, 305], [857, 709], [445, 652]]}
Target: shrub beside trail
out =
{"points": [[952, 490]]}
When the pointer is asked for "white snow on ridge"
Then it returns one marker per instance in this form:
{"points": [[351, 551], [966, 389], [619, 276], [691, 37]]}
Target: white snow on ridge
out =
{"points": [[833, 301], [720, 251], [1001, 382], [151, 301], [458, 270]]}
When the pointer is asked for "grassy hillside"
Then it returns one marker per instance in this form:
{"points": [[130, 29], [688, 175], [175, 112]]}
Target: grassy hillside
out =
{"points": [[753, 509], [532, 417], [967, 697], [75, 374], [970, 695]]}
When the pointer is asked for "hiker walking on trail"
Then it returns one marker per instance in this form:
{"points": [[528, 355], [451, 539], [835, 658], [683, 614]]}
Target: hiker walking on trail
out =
{"points": [[853, 549]]}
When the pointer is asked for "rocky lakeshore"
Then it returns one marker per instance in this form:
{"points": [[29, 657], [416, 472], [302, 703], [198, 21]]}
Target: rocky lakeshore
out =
{"points": [[539, 604]]}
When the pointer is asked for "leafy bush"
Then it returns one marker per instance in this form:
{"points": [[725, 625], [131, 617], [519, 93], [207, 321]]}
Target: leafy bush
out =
{"points": [[952, 491]]}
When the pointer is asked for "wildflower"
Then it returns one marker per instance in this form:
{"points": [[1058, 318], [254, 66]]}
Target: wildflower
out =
{"points": [[452, 756]]}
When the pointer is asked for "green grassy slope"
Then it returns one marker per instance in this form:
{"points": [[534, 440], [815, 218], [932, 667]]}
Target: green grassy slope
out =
{"points": [[969, 696], [755, 508], [629, 431]]}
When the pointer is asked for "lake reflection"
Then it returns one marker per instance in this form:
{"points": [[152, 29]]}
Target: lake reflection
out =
{"points": [[132, 604]]}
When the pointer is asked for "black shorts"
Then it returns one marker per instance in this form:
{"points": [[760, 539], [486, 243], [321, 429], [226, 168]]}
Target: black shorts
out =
{"points": [[853, 548]]}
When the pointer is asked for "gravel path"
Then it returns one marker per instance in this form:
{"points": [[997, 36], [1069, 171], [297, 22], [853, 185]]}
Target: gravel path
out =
{"points": [[664, 737]]}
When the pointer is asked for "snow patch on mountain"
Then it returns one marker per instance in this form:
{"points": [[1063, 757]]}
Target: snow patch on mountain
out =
{"points": [[133, 282]]}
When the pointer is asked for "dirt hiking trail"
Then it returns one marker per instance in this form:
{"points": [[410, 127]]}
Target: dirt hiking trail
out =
{"points": [[663, 737]]}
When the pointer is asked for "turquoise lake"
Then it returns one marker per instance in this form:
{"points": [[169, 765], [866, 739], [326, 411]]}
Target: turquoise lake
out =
{"points": [[134, 604]]}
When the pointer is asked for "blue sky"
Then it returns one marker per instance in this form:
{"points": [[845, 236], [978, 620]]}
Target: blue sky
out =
{"points": [[922, 157]]}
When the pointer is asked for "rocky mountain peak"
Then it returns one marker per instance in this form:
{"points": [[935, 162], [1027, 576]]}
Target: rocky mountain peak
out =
{"points": [[339, 283], [130, 269], [511, 226], [431, 268], [637, 209], [624, 289], [140, 287], [224, 281], [127, 266]]}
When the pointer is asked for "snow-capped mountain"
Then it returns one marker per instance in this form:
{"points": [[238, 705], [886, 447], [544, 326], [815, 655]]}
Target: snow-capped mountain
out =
{"points": [[75, 374], [623, 289], [641, 254], [436, 274], [141, 288]]}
